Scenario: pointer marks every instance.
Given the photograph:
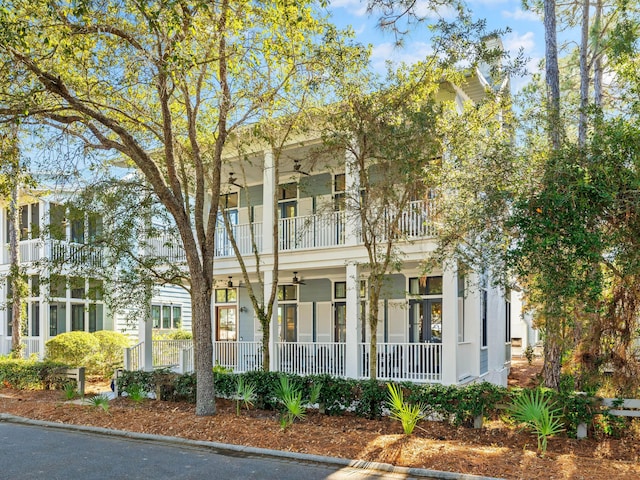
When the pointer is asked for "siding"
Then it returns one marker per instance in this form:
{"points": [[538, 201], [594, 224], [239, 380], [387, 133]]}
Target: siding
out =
{"points": [[484, 361]]}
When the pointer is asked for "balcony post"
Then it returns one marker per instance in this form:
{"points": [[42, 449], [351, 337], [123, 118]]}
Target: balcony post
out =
{"points": [[352, 200], [268, 192], [353, 320], [449, 367]]}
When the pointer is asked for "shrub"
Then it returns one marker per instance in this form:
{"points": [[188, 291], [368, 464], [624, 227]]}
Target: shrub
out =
{"points": [[336, 395], [75, 349], [371, 399], [27, 374], [408, 415], [110, 355]]}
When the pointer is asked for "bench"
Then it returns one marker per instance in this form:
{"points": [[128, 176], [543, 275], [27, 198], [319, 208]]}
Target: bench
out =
{"points": [[76, 374], [622, 407]]}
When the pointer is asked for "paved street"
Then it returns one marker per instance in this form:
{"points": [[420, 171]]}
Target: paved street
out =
{"points": [[31, 452]]}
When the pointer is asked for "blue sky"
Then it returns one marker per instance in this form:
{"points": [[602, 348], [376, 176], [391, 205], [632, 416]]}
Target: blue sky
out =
{"points": [[527, 31]]}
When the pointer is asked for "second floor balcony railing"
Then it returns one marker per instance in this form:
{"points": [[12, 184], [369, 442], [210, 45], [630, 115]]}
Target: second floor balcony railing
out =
{"points": [[320, 230], [58, 251]]}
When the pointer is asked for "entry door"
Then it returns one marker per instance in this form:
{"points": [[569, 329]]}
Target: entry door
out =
{"points": [[227, 324], [340, 322], [425, 321], [287, 314]]}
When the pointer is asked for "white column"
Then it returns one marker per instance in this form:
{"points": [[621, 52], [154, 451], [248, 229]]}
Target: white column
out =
{"points": [[273, 324], [353, 320], [449, 324], [268, 192], [352, 199], [145, 334]]}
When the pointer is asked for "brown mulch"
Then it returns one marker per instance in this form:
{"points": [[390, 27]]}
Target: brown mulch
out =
{"points": [[496, 450]]}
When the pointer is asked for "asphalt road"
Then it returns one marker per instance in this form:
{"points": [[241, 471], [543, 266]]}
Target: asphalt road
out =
{"points": [[34, 452]]}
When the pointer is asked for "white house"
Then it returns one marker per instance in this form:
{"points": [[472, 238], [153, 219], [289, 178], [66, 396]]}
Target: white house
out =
{"points": [[60, 302]]}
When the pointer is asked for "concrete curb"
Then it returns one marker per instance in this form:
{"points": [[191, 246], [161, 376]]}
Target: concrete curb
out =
{"points": [[223, 447]]}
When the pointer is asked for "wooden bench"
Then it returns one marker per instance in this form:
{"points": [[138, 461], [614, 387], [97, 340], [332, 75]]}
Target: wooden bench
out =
{"points": [[76, 374]]}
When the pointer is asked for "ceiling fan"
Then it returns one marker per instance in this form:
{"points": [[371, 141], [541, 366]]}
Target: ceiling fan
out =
{"points": [[232, 180], [230, 283], [296, 280]]}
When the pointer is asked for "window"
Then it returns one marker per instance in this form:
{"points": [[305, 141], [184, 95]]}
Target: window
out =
{"points": [[155, 315], [507, 319], [77, 318], [461, 317], [95, 228], [35, 285], [288, 313], [425, 286], [9, 320], [340, 290], [95, 318], [166, 317], [227, 324], [58, 222], [226, 295], [228, 200], [483, 317], [288, 191], [77, 225], [58, 286], [95, 289], [287, 292], [35, 319], [76, 285]]}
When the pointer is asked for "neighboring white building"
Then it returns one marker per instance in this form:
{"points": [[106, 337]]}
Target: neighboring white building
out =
{"points": [[63, 303]]}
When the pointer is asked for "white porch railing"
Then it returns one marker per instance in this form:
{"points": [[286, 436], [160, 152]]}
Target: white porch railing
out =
{"points": [[418, 220], [309, 358], [78, 253], [165, 246], [31, 347], [134, 357], [166, 353], [319, 230], [242, 235], [421, 362], [238, 356]]}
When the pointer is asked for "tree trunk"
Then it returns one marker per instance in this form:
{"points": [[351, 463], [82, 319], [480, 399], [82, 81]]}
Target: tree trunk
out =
{"points": [[266, 335], [584, 75], [552, 75], [552, 360], [597, 60], [373, 343], [14, 253], [203, 347]]}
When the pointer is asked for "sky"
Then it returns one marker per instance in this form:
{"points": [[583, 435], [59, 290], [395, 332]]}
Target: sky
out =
{"points": [[527, 32]]}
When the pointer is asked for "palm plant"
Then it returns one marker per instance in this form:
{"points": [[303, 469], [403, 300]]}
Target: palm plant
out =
{"points": [[136, 393], [245, 394], [69, 390], [534, 409], [409, 415], [290, 396], [99, 401]]}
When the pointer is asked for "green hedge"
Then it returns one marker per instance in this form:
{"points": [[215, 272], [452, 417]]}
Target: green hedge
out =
{"points": [[28, 374]]}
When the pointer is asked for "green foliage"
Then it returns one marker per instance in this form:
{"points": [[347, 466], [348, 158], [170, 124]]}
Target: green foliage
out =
{"points": [[370, 399], [336, 395], [185, 388], [70, 390], [99, 401], [217, 368], [174, 335], [528, 353], [136, 393], [534, 408], [28, 374], [289, 394], [267, 384], [407, 414], [245, 394], [110, 355], [76, 349]]}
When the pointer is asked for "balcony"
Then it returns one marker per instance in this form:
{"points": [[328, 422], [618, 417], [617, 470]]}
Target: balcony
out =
{"points": [[58, 251], [320, 230]]}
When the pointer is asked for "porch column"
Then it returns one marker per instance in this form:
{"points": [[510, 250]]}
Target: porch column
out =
{"points": [[449, 367], [145, 334], [352, 200], [273, 324], [268, 192], [353, 320]]}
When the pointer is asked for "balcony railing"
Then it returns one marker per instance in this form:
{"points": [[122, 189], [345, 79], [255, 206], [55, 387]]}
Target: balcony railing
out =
{"points": [[35, 250], [242, 235]]}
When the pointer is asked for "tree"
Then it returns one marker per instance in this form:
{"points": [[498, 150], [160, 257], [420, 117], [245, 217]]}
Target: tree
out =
{"points": [[164, 85], [12, 178]]}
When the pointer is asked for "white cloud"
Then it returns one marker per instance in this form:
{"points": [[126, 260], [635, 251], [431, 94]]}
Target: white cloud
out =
{"points": [[411, 53], [520, 14], [513, 42], [354, 7]]}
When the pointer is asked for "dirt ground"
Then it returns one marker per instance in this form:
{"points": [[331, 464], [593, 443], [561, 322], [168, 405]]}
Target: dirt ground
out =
{"points": [[497, 450]]}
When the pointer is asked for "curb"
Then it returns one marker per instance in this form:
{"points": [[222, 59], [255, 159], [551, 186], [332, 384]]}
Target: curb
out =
{"points": [[223, 447]]}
